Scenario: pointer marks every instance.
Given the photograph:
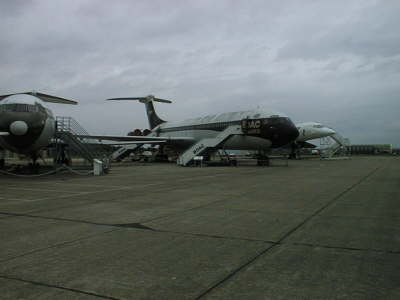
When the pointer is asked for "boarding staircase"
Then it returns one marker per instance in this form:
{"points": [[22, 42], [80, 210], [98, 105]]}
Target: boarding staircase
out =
{"points": [[208, 144], [336, 145], [68, 130], [124, 151]]}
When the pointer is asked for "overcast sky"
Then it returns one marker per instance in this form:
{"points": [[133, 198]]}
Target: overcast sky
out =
{"points": [[336, 62]]}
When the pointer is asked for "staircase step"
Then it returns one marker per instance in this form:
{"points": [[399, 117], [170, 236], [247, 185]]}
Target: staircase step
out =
{"points": [[206, 144]]}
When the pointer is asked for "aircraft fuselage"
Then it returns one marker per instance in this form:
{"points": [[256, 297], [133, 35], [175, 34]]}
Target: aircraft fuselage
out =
{"points": [[261, 129], [29, 123], [312, 130]]}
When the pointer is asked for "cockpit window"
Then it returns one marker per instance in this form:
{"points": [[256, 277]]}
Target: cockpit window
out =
{"points": [[17, 107], [318, 126]]}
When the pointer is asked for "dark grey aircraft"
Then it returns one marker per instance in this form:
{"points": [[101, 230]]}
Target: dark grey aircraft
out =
{"points": [[26, 124]]}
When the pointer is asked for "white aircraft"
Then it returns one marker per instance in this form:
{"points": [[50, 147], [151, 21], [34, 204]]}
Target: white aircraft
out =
{"points": [[257, 129], [312, 130], [26, 124], [309, 131]]}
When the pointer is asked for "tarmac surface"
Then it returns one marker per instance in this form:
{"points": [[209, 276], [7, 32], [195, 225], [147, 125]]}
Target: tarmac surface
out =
{"points": [[315, 229]]}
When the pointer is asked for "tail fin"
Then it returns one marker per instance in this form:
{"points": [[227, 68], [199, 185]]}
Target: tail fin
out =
{"points": [[154, 119]]}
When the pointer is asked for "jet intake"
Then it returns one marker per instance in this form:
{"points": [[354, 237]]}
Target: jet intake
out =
{"points": [[136, 132]]}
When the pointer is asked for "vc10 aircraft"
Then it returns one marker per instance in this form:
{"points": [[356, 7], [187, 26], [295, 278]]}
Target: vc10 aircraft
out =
{"points": [[257, 129]]}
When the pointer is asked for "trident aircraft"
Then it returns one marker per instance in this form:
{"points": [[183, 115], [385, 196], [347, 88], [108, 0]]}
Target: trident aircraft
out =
{"points": [[26, 124], [260, 130]]}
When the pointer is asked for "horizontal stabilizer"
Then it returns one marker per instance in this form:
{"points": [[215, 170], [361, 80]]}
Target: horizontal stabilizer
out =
{"points": [[143, 99], [43, 97], [143, 139], [4, 133]]}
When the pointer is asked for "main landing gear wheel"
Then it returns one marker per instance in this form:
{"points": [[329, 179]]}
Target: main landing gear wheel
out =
{"points": [[34, 167], [233, 162]]}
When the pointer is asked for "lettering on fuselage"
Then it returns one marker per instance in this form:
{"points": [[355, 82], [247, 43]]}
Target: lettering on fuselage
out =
{"points": [[251, 126]]}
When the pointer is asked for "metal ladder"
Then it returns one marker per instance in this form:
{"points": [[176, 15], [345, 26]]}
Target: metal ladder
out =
{"points": [[340, 146], [208, 143], [124, 151], [66, 134]]}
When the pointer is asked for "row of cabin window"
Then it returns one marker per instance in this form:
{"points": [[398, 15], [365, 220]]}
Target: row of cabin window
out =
{"points": [[19, 108], [202, 126]]}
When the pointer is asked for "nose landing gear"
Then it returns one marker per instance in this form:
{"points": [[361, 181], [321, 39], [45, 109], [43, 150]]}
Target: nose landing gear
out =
{"points": [[34, 168], [2, 159], [34, 165], [295, 150], [263, 159]]}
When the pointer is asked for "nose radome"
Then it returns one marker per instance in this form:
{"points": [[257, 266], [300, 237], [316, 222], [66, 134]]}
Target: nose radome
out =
{"points": [[329, 131], [18, 128]]}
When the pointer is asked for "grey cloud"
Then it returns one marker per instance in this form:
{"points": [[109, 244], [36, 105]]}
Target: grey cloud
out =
{"points": [[331, 61], [367, 30]]}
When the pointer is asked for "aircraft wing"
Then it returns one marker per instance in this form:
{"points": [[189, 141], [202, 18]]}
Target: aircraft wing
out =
{"points": [[138, 139], [305, 145], [43, 97], [2, 133]]}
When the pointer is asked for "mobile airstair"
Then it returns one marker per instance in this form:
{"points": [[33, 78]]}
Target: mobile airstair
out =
{"points": [[208, 144], [335, 145], [124, 151], [68, 143]]}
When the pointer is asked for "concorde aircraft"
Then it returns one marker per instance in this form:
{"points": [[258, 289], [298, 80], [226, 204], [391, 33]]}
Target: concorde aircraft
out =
{"points": [[309, 131], [260, 129], [312, 130], [26, 124]]}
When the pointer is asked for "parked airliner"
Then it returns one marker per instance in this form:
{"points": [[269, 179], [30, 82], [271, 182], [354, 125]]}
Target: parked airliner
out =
{"points": [[312, 130], [260, 130], [27, 125], [309, 131]]}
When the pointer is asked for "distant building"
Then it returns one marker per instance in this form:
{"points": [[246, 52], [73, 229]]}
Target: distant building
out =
{"points": [[371, 149]]}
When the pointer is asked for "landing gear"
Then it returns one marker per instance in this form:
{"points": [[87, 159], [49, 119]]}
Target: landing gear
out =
{"points": [[2, 158], [295, 151], [226, 158], [34, 167], [263, 159]]}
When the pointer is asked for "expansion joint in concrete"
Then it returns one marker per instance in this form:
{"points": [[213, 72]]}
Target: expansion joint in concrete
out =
{"points": [[43, 284], [285, 236]]}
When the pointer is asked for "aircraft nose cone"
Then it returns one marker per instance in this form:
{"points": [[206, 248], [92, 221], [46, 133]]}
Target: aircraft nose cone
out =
{"points": [[328, 131], [18, 128]]}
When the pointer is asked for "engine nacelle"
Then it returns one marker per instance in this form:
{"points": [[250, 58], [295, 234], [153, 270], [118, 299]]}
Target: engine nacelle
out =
{"points": [[136, 132]]}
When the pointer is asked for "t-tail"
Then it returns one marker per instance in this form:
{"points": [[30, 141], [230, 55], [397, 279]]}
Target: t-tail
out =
{"points": [[154, 119]]}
